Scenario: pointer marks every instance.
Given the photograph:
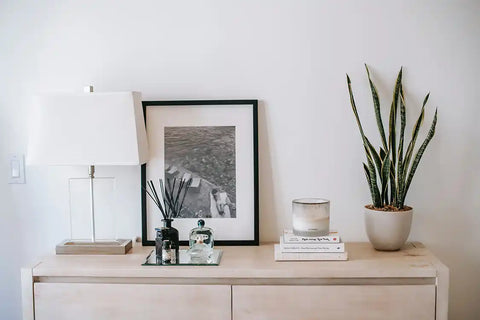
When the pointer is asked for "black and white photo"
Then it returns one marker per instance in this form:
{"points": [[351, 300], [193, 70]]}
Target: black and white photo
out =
{"points": [[205, 154]]}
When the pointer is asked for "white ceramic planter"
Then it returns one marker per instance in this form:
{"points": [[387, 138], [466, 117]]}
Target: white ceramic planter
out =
{"points": [[386, 230]]}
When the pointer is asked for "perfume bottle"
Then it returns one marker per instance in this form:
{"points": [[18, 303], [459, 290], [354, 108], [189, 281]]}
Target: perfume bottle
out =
{"points": [[201, 243]]}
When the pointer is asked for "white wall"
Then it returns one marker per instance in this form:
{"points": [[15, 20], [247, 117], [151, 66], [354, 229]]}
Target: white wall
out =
{"points": [[292, 56]]}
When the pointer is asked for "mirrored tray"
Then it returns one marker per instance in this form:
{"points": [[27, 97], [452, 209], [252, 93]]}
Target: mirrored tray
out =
{"points": [[151, 259]]}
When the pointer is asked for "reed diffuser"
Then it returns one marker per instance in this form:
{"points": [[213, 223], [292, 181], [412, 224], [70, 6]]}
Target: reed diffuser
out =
{"points": [[173, 195]]}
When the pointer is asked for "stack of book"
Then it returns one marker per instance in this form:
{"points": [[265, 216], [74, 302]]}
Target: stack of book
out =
{"points": [[294, 247]]}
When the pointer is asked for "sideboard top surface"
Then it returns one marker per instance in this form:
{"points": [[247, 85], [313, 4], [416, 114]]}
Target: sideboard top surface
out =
{"points": [[413, 261]]}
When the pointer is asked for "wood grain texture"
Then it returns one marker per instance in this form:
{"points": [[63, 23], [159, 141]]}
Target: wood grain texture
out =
{"points": [[133, 301], [334, 302], [250, 262], [243, 281]]}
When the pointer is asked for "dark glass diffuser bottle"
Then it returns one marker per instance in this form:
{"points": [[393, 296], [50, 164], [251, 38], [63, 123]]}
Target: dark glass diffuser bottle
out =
{"points": [[167, 233]]}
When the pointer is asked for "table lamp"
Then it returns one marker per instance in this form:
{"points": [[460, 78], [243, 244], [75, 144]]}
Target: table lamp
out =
{"points": [[89, 129]]}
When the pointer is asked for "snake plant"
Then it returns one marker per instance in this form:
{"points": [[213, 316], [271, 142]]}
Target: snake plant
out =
{"points": [[390, 170]]}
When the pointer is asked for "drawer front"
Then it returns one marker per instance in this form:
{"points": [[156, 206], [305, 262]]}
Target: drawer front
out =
{"points": [[342, 302], [131, 301]]}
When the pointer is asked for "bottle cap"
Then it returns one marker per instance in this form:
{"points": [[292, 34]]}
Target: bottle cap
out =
{"points": [[201, 223]]}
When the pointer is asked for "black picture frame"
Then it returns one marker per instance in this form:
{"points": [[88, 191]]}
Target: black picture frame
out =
{"points": [[178, 103]]}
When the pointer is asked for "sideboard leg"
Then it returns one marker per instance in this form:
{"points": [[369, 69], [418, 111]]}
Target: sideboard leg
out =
{"points": [[441, 308], [27, 294]]}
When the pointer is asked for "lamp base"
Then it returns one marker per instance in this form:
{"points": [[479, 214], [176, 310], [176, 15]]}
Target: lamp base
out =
{"points": [[118, 246]]}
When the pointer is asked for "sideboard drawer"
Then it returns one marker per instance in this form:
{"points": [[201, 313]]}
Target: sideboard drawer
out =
{"points": [[334, 301], [131, 301]]}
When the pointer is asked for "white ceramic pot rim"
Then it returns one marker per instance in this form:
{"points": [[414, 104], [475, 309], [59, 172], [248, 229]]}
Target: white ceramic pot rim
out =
{"points": [[394, 212]]}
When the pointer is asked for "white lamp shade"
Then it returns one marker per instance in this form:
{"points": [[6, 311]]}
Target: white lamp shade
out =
{"points": [[88, 129]]}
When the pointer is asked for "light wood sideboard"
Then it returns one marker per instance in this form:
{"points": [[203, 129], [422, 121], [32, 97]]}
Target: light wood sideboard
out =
{"points": [[408, 284]]}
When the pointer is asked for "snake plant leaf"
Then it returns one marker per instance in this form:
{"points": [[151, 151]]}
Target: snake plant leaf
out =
{"points": [[420, 152], [392, 135], [393, 118], [373, 181], [371, 166], [403, 121], [393, 188], [385, 175], [354, 108], [400, 177], [376, 158], [415, 131], [367, 175], [382, 155], [376, 106]]}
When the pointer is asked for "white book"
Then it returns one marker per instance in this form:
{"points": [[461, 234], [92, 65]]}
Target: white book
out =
{"points": [[314, 256], [289, 237], [311, 247]]}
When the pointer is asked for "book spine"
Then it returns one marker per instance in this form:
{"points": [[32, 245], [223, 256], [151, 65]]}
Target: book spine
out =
{"points": [[310, 250], [295, 239], [325, 247], [317, 256], [289, 237]]}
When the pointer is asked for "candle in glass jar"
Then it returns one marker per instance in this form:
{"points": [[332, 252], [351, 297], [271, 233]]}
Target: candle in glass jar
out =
{"points": [[311, 217]]}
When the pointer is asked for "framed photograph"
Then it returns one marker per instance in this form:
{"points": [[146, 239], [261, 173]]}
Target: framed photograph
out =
{"points": [[214, 143]]}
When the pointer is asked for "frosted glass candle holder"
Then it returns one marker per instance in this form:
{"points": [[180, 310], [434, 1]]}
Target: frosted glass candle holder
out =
{"points": [[311, 217]]}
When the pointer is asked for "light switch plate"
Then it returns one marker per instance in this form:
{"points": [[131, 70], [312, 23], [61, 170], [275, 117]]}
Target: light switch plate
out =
{"points": [[16, 166]]}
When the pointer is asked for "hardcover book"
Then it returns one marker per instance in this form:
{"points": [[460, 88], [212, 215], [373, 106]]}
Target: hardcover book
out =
{"points": [[311, 247], [313, 256], [289, 237]]}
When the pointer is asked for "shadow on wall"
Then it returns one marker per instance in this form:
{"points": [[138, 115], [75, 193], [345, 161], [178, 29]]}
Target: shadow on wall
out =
{"points": [[269, 227]]}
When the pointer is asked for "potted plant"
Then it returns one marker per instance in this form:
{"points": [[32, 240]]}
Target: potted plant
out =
{"points": [[390, 169], [170, 205]]}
